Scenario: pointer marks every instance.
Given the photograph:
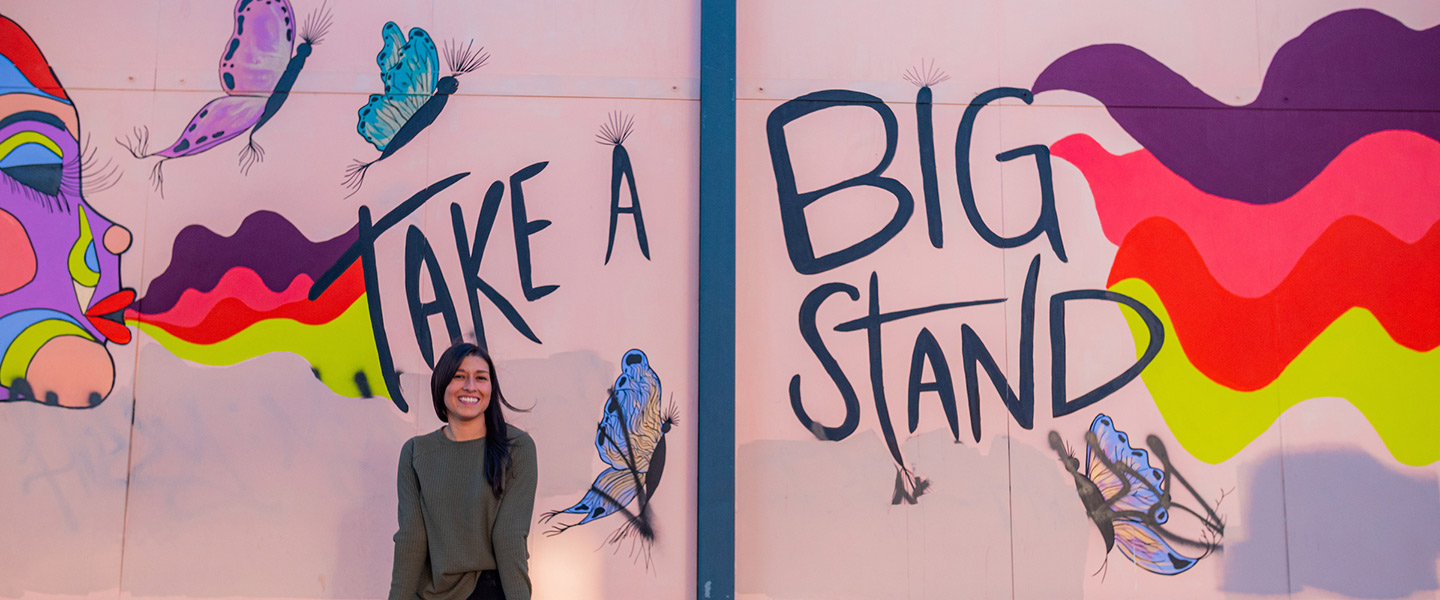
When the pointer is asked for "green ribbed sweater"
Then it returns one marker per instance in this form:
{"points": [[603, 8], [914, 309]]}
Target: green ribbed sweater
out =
{"points": [[451, 524]]}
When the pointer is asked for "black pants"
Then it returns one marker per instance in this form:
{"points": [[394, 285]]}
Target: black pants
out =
{"points": [[487, 587]]}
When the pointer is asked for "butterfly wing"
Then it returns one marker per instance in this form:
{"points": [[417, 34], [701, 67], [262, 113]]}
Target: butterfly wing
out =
{"points": [[1149, 551], [1130, 466], [612, 490], [259, 49], [643, 388], [631, 425], [409, 70], [218, 121], [392, 40]]}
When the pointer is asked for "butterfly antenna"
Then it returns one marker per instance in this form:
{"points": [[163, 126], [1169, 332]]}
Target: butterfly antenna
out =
{"points": [[317, 24], [671, 416], [355, 176], [157, 177], [923, 76], [1103, 570], [137, 142], [467, 59], [616, 130], [249, 155], [558, 529]]}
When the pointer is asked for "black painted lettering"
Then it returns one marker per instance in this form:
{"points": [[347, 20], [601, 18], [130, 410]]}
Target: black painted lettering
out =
{"points": [[793, 202]]}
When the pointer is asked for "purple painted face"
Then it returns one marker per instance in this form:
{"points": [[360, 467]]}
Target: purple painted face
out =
{"points": [[61, 301]]}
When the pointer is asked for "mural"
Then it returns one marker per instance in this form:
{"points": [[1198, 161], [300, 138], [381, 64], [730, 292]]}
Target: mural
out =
{"points": [[60, 292], [252, 366], [258, 68], [1231, 258], [1199, 241]]}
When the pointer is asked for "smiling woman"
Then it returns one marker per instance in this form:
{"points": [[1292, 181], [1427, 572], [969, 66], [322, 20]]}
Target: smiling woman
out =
{"points": [[466, 492], [61, 301]]}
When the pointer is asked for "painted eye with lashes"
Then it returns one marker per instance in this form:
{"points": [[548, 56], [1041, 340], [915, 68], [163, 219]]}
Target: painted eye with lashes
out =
{"points": [[33, 160]]}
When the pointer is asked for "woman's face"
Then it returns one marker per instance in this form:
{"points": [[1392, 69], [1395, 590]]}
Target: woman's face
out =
{"points": [[61, 301], [468, 394]]}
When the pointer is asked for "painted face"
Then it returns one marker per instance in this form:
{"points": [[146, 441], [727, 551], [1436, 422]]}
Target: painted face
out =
{"points": [[468, 394], [60, 296]]}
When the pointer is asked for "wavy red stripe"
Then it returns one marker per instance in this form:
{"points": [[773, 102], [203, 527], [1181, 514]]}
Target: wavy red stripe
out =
{"points": [[1245, 343], [230, 316]]}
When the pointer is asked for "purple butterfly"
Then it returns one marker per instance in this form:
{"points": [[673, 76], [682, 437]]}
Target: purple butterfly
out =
{"points": [[1130, 500], [257, 72]]}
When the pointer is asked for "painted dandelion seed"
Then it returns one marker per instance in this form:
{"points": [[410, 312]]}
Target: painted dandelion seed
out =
{"points": [[257, 72], [415, 94], [925, 75], [615, 131]]}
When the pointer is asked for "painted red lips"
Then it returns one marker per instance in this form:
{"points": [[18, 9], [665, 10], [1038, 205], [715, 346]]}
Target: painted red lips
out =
{"points": [[108, 316]]}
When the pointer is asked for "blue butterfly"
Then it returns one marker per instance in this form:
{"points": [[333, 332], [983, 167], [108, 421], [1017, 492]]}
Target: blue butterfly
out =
{"points": [[415, 93], [631, 439], [1129, 500]]}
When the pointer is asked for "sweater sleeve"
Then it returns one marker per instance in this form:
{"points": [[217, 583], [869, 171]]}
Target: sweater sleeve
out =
{"points": [[411, 552], [512, 522]]}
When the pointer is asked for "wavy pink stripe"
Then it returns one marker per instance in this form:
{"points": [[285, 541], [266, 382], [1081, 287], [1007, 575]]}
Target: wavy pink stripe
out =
{"points": [[240, 283], [1391, 178]]}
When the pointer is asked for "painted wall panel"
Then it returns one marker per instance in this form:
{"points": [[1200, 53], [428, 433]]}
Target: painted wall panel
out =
{"points": [[245, 440], [1182, 188], [1034, 299]]}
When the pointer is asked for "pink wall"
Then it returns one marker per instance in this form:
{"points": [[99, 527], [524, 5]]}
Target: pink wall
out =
{"points": [[219, 464], [1257, 176], [1236, 196]]}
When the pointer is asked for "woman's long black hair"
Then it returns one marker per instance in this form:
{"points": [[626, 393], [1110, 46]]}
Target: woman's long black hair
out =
{"points": [[497, 435]]}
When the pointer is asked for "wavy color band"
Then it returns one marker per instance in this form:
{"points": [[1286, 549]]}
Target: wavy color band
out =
{"points": [[1353, 359], [265, 242], [1389, 178], [231, 315], [1245, 343], [1348, 75], [239, 284], [225, 299], [337, 350]]}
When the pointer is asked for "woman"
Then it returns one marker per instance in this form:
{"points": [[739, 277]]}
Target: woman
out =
{"points": [[466, 492]]}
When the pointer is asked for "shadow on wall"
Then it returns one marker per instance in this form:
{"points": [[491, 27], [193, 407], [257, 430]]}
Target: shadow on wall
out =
{"points": [[1355, 527], [561, 392], [819, 522]]}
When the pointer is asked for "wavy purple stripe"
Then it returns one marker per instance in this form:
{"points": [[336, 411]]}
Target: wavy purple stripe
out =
{"points": [[265, 242], [1348, 75]]}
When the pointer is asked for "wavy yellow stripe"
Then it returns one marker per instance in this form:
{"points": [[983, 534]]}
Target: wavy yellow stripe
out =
{"points": [[337, 349], [1354, 358]]}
